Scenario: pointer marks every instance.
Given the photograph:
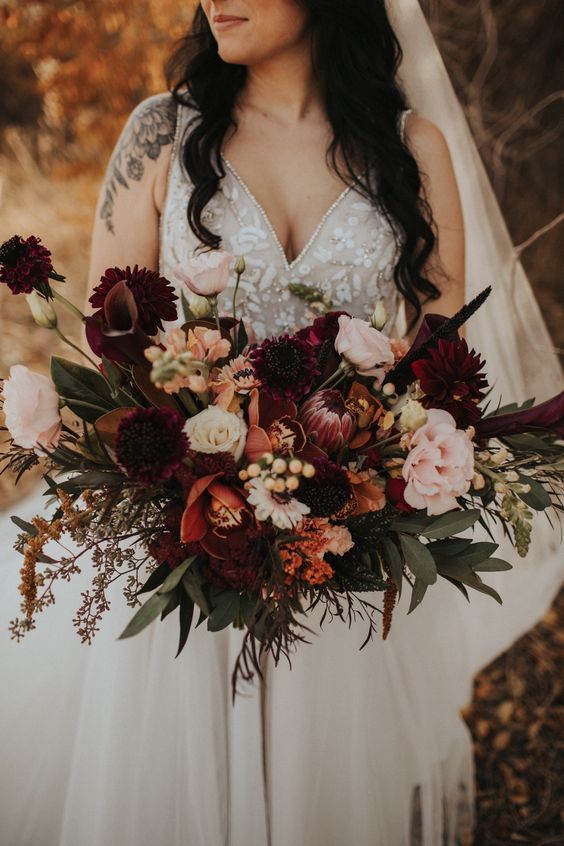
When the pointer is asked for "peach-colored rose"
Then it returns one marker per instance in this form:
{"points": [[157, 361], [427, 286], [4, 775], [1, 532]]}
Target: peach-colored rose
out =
{"points": [[440, 464], [339, 539], [31, 409], [366, 349], [207, 274], [207, 344]]}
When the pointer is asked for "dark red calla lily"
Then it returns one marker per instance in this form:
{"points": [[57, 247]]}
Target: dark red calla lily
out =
{"points": [[114, 332], [548, 417]]}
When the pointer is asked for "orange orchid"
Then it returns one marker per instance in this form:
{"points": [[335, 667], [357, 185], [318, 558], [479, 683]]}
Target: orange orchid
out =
{"points": [[368, 495], [213, 508], [273, 428], [368, 411]]}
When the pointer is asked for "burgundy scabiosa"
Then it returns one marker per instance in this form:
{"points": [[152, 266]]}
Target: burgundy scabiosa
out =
{"points": [[25, 265], [328, 491], [285, 366], [153, 294], [451, 379], [327, 421], [150, 444]]}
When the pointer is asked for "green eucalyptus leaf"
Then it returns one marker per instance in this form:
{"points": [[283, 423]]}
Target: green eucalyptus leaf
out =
{"points": [[418, 592], [461, 572], [538, 497], [146, 614], [412, 524], [81, 385], [175, 576], [451, 524], [156, 578], [478, 552], [174, 602], [192, 582], [457, 585], [186, 615], [492, 565], [28, 528], [224, 612], [419, 559]]}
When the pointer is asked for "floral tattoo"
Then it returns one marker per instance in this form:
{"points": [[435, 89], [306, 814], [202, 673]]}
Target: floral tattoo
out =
{"points": [[151, 127]]}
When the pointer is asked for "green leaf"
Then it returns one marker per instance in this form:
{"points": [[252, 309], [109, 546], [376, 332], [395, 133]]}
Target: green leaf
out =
{"points": [[492, 565], [192, 582], [224, 612], [81, 387], [418, 592], [250, 604], [538, 498], [413, 524], [185, 616], [478, 552], [527, 442], [451, 524], [457, 585], [419, 559], [146, 614], [29, 528], [113, 373], [461, 572], [393, 560], [175, 576], [449, 548], [186, 310], [174, 602], [242, 337], [156, 578], [91, 479]]}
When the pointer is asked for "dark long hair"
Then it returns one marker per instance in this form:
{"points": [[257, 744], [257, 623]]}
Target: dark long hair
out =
{"points": [[356, 55]]}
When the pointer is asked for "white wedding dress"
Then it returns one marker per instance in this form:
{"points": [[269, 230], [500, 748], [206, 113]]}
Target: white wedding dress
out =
{"points": [[118, 744]]}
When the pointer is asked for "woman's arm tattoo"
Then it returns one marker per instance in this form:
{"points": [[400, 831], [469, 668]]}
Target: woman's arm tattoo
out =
{"points": [[150, 128]]}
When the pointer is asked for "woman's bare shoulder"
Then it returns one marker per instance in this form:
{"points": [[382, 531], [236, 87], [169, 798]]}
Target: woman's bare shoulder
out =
{"points": [[142, 153], [425, 139]]}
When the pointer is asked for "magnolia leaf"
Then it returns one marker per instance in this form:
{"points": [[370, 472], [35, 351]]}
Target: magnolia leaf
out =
{"points": [[393, 560], [84, 390], [146, 614], [419, 559], [451, 524], [418, 592]]}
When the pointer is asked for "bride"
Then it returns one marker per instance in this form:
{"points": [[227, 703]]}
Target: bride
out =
{"points": [[297, 139]]}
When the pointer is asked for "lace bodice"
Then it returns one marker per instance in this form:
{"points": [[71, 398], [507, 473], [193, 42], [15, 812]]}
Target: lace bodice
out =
{"points": [[350, 256]]}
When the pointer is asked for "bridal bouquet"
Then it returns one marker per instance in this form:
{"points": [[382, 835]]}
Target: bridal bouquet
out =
{"points": [[251, 482]]}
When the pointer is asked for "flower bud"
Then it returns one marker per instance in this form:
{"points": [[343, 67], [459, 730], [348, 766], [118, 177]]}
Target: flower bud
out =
{"points": [[412, 416], [269, 483], [308, 471], [478, 482], [279, 486], [199, 306], [296, 466], [388, 389], [240, 266], [41, 310], [279, 465], [254, 470], [292, 483], [379, 316]]}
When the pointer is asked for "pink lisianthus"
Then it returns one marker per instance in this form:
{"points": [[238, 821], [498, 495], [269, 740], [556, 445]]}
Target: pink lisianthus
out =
{"points": [[440, 464], [31, 409], [208, 274], [207, 344], [368, 350]]}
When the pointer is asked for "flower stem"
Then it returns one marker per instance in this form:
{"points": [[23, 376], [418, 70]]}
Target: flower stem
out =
{"points": [[79, 350], [215, 312], [63, 300]]}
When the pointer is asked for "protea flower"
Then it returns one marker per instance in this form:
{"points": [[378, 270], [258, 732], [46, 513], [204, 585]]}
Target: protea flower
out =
{"points": [[285, 366], [25, 265], [451, 380], [150, 444], [327, 420], [154, 295]]}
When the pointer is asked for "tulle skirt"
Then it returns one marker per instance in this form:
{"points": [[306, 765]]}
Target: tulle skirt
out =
{"points": [[119, 744]]}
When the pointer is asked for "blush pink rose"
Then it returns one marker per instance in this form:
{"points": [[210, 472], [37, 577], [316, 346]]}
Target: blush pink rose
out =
{"points": [[31, 409], [207, 274], [368, 350], [440, 464]]}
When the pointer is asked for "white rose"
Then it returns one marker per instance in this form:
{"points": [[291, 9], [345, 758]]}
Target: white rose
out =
{"points": [[31, 409], [216, 430]]}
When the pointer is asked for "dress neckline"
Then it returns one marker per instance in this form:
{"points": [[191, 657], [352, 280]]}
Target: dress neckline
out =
{"points": [[289, 265]]}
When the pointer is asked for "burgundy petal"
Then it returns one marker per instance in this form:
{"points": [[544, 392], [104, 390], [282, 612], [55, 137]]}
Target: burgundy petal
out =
{"points": [[548, 416]]}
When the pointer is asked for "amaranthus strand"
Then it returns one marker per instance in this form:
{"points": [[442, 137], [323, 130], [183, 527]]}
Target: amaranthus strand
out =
{"points": [[63, 300]]}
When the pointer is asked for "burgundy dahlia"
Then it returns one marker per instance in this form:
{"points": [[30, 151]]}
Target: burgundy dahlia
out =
{"points": [[286, 367], [154, 295], [328, 491], [451, 379], [25, 265], [327, 421], [150, 444], [325, 328]]}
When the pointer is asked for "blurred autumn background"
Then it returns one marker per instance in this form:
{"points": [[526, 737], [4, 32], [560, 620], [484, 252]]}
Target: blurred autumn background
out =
{"points": [[72, 71]]}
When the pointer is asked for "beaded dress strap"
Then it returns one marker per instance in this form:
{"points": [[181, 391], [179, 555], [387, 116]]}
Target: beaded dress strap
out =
{"points": [[402, 120]]}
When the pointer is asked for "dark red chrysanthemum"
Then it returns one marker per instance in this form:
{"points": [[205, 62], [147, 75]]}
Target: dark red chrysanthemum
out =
{"points": [[286, 367], [154, 295], [450, 378], [150, 444], [328, 491], [25, 265]]}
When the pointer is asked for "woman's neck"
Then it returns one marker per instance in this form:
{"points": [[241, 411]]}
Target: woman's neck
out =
{"points": [[283, 87]]}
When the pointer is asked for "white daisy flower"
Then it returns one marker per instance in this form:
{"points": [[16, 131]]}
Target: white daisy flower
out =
{"points": [[283, 509]]}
